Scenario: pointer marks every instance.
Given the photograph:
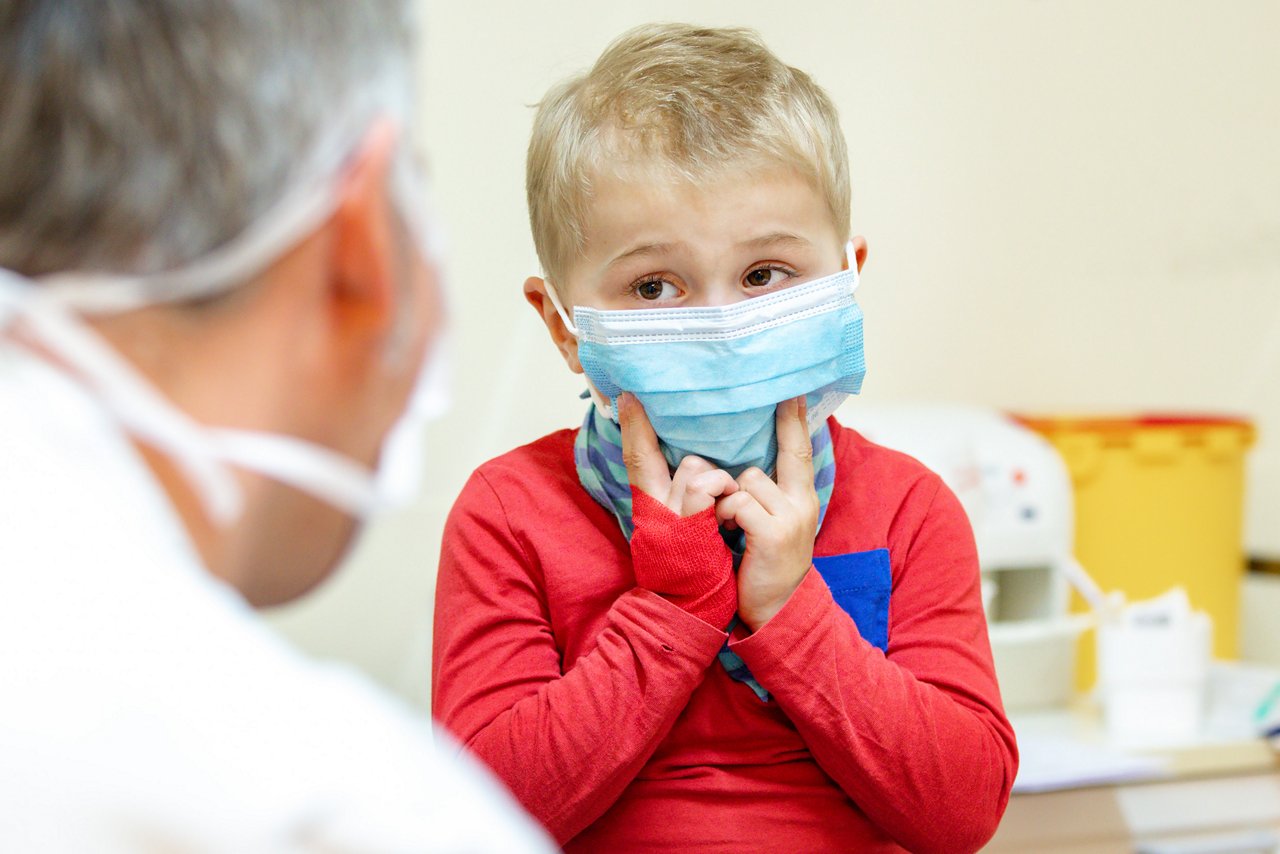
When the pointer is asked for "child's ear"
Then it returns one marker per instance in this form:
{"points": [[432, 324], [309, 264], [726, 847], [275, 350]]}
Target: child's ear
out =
{"points": [[535, 292], [859, 251]]}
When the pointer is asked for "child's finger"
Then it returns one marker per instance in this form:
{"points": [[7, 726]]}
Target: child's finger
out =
{"points": [[795, 448], [703, 490], [690, 467], [717, 482], [646, 467], [743, 509], [767, 493]]}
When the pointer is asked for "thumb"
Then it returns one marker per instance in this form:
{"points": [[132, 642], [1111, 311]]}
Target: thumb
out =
{"points": [[641, 454]]}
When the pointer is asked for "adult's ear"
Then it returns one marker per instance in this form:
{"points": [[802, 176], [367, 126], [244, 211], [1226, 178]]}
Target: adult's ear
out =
{"points": [[536, 294], [369, 270]]}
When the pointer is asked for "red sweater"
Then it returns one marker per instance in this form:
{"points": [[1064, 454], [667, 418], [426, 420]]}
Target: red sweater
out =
{"points": [[604, 708]]}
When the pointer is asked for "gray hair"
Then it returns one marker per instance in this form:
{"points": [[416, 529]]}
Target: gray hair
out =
{"points": [[138, 135]]}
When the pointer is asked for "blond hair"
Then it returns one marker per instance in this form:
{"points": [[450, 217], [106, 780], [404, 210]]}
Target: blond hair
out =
{"points": [[687, 102]]}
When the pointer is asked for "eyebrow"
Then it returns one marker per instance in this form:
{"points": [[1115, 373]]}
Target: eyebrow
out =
{"points": [[772, 239], [644, 249], [775, 238]]}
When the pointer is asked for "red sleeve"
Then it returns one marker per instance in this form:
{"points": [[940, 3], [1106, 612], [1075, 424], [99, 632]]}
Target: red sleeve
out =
{"points": [[684, 559], [918, 738], [566, 743]]}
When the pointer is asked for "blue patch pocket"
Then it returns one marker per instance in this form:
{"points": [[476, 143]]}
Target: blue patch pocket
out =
{"points": [[860, 583]]}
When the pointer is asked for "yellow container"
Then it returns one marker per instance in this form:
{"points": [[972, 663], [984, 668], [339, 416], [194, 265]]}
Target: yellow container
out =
{"points": [[1159, 502]]}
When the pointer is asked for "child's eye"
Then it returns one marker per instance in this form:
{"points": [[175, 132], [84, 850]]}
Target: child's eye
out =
{"points": [[763, 277], [654, 289]]}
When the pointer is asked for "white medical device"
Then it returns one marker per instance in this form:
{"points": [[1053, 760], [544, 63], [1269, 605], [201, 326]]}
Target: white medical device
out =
{"points": [[1017, 493]]}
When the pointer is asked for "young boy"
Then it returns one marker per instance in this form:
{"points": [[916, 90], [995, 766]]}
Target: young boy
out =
{"points": [[713, 619]]}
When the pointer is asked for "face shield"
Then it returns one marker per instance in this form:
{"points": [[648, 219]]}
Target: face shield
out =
{"points": [[51, 311]]}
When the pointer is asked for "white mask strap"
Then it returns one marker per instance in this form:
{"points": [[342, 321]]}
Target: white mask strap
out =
{"points": [[201, 452], [555, 301], [307, 467], [141, 410]]}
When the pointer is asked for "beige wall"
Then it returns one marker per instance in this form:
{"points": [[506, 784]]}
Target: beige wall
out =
{"points": [[1070, 206]]}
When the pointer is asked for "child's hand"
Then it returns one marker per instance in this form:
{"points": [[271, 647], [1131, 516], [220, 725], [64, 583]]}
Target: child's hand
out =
{"points": [[676, 549], [696, 484], [780, 520]]}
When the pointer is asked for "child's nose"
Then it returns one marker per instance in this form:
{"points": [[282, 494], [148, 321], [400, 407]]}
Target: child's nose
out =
{"points": [[716, 294]]}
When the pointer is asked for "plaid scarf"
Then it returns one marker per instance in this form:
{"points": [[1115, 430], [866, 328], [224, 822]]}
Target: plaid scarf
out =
{"points": [[597, 454]]}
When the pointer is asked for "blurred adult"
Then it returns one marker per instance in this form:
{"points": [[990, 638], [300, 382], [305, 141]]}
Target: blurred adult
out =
{"points": [[217, 296]]}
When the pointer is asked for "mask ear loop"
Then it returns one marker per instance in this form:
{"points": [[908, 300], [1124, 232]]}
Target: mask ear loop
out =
{"points": [[602, 403], [555, 301], [851, 264]]}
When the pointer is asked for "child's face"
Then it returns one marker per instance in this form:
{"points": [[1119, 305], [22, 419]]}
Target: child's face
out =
{"points": [[661, 245]]}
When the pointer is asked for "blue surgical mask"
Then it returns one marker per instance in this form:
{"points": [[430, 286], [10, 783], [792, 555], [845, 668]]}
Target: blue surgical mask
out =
{"points": [[710, 378]]}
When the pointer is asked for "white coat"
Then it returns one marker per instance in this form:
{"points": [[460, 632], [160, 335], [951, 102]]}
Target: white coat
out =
{"points": [[143, 704]]}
